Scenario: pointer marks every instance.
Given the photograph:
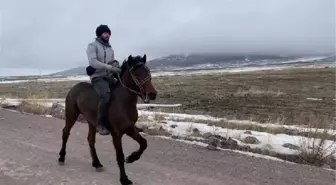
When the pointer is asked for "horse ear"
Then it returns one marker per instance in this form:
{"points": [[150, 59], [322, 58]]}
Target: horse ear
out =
{"points": [[144, 59], [129, 58]]}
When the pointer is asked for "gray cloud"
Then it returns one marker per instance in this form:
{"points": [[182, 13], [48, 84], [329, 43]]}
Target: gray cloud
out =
{"points": [[54, 34]]}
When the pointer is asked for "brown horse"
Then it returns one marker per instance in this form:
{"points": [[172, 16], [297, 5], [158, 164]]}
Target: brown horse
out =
{"points": [[134, 81]]}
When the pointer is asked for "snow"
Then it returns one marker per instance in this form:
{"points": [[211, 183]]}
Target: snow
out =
{"points": [[273, 142], [158, 105], [50, 102], [237, 151], [182, 117], [43, 102], [304, 59], [51, 79], [315, 99], [179, 116], [185, 128], [318, 99]]}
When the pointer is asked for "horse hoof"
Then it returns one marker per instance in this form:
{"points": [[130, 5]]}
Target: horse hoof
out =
{"points": [[127, 160], [60, 163], [126, 182], [132, 158], [99, 169]]}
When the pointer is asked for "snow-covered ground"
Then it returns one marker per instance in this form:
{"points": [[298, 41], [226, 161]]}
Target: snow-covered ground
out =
{"points": [[181, 117], [273, 142], [317, 99], [56, 79], [184, 125]]}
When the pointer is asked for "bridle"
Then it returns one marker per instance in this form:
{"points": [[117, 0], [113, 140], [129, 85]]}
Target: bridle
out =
{"points": [[138, 83]]}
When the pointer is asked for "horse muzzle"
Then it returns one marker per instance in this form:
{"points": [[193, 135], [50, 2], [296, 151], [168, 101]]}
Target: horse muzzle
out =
{"points": [[149, 96]]}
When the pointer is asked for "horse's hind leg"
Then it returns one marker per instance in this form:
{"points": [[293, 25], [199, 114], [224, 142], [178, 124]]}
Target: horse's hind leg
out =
{"points": [[133, 133], [71, 115], [92, 140]]}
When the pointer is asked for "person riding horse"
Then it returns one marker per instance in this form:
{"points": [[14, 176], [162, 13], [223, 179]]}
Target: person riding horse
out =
{"points": [[102, 62]]}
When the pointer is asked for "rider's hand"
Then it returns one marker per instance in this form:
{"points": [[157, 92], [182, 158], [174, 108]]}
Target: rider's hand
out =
{"points": [[114, 69], [118, 70]]}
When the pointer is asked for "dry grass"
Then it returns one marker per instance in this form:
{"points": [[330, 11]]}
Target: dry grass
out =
{"points": [[158, 118], [255, 91], [33, 103], [317, 151], [33, 108], [34, 89], [262, 96], [151, 126]]}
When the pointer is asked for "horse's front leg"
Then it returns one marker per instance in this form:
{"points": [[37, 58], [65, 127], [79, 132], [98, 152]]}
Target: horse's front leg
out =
{"points": [[120, 158], [134, 134], [92, 140]]}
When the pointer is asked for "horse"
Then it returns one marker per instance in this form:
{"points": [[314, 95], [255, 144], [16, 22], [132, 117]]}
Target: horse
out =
{"points": [[134, 81]]}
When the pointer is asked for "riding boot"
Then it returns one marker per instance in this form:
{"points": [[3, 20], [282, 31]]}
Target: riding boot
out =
{"points": [[102, 118]]}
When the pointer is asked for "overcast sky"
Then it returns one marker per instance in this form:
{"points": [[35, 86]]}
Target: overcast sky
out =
{"points": [[52, 35]]}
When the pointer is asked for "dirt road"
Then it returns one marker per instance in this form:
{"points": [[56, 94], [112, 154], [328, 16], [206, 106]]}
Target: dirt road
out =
{"points": [[29, 147]]}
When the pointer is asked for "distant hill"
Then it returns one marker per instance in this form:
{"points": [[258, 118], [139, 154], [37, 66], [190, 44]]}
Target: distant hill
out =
{"points": [[206, 60], [211, 61], [72, 72]]}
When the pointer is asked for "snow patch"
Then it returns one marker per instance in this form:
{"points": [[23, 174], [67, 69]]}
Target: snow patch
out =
{"points": [[50, 102], [237, 151], [158, 105], [315, 99], [179, 116], [183, 117], [270, 141]]}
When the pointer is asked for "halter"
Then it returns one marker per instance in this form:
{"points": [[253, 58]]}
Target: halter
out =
{"points": [[136, 81]]}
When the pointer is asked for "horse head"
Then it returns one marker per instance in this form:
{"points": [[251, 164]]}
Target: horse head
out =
{"points": [[136, 77]]}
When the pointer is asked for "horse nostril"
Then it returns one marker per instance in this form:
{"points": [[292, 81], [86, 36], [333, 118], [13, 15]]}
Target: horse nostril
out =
{"points": [[152, 96]]}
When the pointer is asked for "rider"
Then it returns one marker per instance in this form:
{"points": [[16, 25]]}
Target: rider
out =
{"points": [[100, 55]]}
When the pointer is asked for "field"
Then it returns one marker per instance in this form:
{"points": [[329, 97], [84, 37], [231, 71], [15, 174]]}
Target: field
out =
{"points": [[265, 96], [294, 102]]}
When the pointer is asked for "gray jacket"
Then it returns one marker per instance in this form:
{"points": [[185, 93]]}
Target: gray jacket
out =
{"points": [[99, 55]]}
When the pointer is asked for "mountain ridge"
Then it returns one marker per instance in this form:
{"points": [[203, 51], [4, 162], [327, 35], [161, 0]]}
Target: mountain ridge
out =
{"points": [[211, 61]]}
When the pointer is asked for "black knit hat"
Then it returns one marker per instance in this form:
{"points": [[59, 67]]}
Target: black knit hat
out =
{"points": [[101, 29]]}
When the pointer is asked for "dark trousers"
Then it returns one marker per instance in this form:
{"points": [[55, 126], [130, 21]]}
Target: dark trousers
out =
{"points": [[101, 85]]}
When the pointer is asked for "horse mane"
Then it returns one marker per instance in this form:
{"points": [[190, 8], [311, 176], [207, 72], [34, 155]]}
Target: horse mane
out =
{"points": [[129, 63], [126, 64], [124, 67]]}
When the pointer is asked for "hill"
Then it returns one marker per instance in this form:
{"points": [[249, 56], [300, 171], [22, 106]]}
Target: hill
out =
{"points": [[213, 61], [72, 72]]}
